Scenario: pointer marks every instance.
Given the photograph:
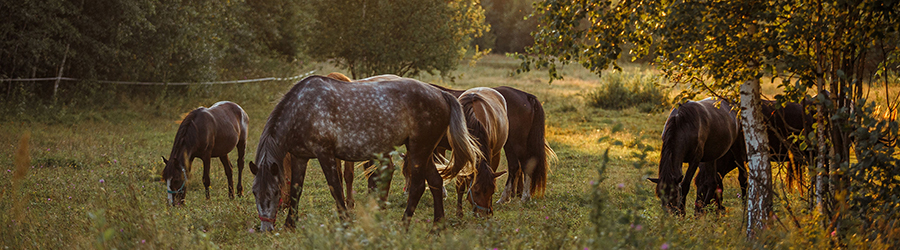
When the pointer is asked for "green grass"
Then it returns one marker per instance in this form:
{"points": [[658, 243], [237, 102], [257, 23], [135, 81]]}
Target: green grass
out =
{"points": [[93, 182]]}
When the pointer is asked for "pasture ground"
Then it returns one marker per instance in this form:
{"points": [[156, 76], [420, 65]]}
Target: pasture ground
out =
{"points": [[93, 182]]}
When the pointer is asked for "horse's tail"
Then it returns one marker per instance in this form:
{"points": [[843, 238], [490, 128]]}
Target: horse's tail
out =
{"points": [[539, 149], [464, 147]]}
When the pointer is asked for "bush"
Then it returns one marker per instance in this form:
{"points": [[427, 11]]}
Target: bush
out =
{"points": [[644, 93]]}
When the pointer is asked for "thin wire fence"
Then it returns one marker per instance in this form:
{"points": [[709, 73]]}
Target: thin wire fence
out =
{"points": [[163, 83]]}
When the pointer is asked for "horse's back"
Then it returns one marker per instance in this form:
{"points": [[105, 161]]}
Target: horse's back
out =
{"points": [[708, 125], [230, 126], [355, 120]]}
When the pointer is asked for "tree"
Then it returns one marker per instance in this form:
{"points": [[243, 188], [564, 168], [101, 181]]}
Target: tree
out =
{"points": [[393, 37], [143, 40], [839, 46], [510, 30]]}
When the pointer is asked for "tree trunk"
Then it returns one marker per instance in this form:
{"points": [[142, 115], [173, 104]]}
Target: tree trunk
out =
{"points": [[759, 198], [821, 143]]}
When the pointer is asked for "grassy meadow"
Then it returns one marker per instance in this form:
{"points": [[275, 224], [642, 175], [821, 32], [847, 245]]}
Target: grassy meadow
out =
{"points": [[93, 182]]}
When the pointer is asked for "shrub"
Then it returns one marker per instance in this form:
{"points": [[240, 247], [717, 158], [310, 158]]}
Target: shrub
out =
{"points": [[642, 92]]}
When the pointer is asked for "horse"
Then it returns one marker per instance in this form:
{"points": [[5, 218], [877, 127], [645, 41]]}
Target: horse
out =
{"points": [[783, 121], [528, 154], [329, 119], [695, 132], [205, 133], [486, 118], [347, 173]]}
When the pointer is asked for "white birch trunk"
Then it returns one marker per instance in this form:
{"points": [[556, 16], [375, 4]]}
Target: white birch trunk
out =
{"points": [[821, 167], [759, 198]]}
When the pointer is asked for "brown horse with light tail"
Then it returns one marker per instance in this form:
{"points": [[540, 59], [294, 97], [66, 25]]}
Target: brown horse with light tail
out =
{"points": [[330, 119], [205, 133], [486, 118], [527, 151]]}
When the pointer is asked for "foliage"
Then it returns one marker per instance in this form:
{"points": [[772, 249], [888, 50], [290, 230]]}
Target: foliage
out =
{"points": [[644, 93], [873, 182], [510, 26], [393, 37], [145, 40], [839, 46]]}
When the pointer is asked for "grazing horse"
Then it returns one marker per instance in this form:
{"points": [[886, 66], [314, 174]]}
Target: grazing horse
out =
{"points": [[348, 165], [695, 132], [528, 154], [205, 133], [486, 119], [330, 119], [783, 121]]}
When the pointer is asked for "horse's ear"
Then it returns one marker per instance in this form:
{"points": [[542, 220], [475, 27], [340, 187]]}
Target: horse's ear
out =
{"points": [[654, 180], [252, 168], [498, 174], [164, 160]]}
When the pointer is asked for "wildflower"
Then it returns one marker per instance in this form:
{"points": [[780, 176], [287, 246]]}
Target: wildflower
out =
{"points": [[517, 230], [251, 230], [833, 233], [115, 161], [546, 217], [101, 180], [664, 246], [145, 241], [621, 185]]}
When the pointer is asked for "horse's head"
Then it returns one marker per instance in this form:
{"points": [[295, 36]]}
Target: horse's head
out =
{"points": [[267, 190], [482, 189], [175, 176], [669, 193]]}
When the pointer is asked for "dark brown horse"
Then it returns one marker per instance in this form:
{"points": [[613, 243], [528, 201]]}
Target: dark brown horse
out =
{"points": [[782, 122], [330, 119], [205, 133], [695, 132], [528, 154], [486, 119]]}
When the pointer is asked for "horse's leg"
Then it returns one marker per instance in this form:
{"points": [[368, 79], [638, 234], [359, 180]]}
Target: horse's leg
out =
{"points": [[434, 182], [527, 172], [460, 194], [227, 166], [332, 175], [298, 174], [241, 146], [206, 161], [686, 182], [416, 184], [513, 166], [348, 180], [706, 183]]}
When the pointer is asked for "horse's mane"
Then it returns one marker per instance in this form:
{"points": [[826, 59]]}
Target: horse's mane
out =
{"points": [[682, 118], [476, 128], [185, 137]]}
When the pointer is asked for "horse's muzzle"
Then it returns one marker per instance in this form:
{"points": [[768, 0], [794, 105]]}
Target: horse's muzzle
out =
{"points": [[266, 224]]}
